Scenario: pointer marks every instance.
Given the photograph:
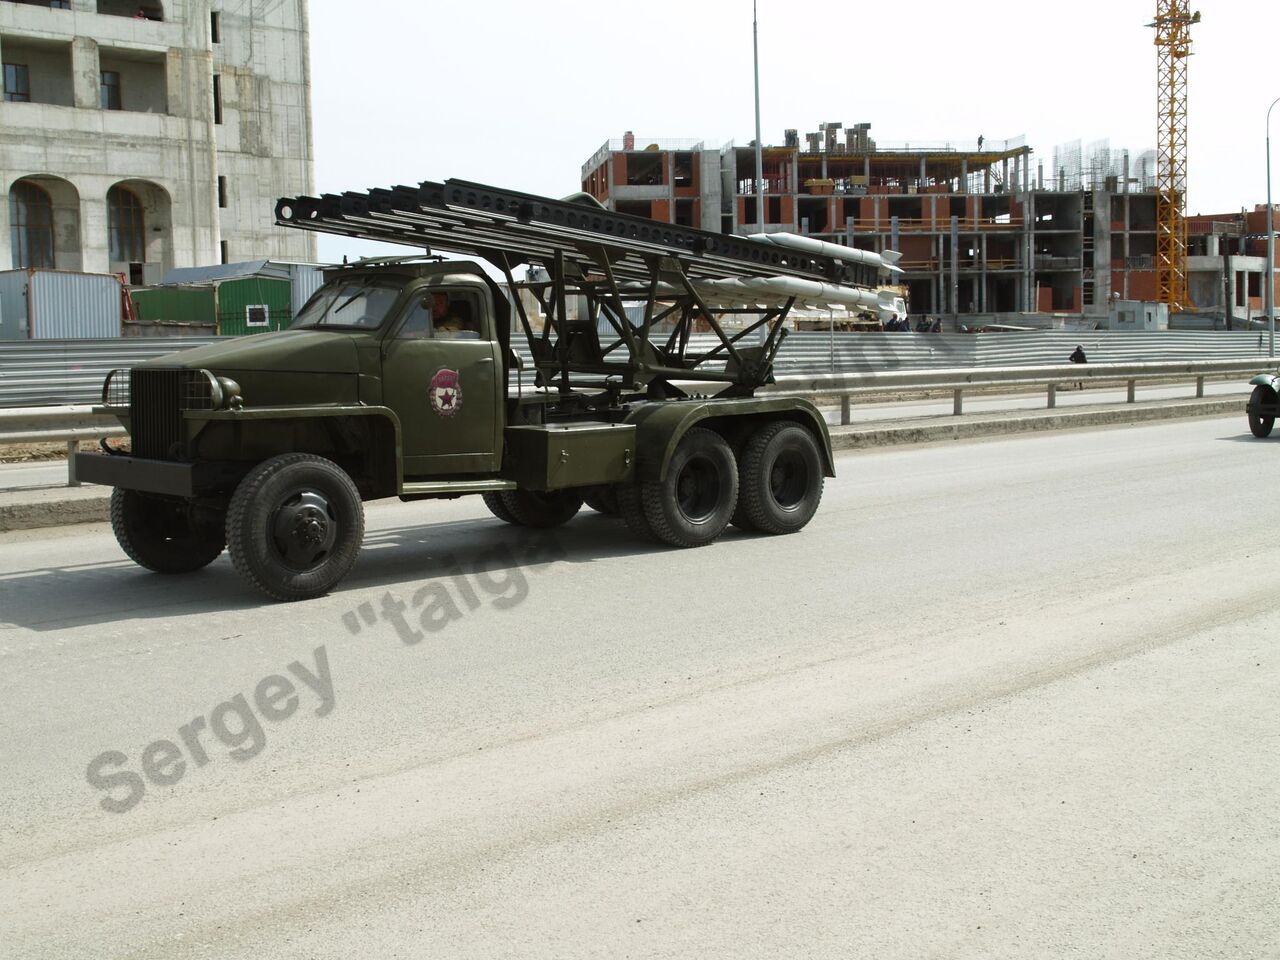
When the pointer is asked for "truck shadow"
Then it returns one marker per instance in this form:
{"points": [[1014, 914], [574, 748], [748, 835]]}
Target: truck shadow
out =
{"points": [[50, 599]]}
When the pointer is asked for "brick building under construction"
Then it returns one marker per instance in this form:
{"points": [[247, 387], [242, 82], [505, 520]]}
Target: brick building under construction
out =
{"points": [[982, 234]]}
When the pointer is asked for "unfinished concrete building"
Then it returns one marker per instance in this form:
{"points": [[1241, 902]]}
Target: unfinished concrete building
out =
{"points": [[140, 136], [982, 233]]}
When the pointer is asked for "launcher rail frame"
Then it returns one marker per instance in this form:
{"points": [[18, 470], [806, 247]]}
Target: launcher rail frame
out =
{"points": [[608, 258]]}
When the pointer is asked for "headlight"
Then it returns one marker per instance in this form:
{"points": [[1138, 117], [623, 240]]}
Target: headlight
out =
{"points": [[231, 398]]}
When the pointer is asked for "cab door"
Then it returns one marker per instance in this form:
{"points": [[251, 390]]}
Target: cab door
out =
{"points": [[443, 381]]}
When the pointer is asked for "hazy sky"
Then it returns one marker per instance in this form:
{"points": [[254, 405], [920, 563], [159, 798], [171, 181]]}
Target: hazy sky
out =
{"points": [[520, 94]]}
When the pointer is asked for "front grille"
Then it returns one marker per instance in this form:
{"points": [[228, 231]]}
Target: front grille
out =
{"points": [[155, 411]]}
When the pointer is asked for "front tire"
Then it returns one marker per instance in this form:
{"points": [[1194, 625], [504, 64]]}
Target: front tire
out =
{"points": [[163, 534], [781, 479], [1259, 425], [692, 505], [295, 526]]}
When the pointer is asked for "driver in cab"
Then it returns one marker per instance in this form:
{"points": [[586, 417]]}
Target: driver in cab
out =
{"points": [[446, 317]]}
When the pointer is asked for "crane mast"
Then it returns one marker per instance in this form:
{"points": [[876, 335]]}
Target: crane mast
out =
{"points": [[1173, 47]]}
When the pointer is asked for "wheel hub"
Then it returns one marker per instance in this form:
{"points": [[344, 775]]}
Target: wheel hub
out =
{"points": [[698, 490], [305, 529], [788, 480]]}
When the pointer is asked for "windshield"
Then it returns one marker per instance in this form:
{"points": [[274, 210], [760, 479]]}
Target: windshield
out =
{"points": [[362, 303]]}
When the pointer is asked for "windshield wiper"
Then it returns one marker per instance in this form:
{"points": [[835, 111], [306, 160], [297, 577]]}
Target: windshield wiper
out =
{"points": [[359, 290]]}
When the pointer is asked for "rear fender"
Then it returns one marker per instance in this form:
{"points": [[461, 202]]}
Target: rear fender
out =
{"points": [[660, 426]]}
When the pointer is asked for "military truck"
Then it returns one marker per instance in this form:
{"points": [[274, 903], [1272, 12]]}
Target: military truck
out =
{"points": [[398, 379]]}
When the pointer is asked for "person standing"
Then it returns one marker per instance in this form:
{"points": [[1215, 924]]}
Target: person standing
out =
{"points": [[1077, 356]]}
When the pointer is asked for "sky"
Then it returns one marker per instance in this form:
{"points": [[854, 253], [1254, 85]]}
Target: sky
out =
{"points": [[521, 94]]}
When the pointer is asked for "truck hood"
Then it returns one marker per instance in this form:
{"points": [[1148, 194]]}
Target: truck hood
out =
{"points": [[287, 351]]}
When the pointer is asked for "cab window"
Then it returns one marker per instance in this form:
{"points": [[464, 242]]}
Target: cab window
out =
{"points": [[352, 303], [443, 315]]}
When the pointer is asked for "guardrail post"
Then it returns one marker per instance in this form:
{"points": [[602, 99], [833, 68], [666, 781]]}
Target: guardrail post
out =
{"points": [[1199, 388], [1053, 395], [844, 410], [1133, 391], [72, 447], [957, 402]]}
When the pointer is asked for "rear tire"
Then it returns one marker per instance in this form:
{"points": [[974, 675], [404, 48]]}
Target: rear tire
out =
{"points": [[603, 500], [163, 534], [781, 478], [692, 505], [1259, 425], [295, 526], [542, 510], [631, 510], [498, 507]]}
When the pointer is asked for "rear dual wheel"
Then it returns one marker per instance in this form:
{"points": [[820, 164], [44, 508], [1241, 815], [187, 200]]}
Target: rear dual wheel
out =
{"points": [[781, 475], [691, 506]]}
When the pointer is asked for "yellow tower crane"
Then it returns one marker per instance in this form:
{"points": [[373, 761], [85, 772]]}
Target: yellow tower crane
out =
{"points": [[1173, 46]]}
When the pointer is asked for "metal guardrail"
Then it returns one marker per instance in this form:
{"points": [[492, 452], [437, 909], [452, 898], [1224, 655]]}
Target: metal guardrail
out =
{"points": [[34, 373], [958, 380], [73, 424]]}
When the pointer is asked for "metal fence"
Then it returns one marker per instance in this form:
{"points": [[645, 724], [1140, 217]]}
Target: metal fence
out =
{"points": [[37, 373]]}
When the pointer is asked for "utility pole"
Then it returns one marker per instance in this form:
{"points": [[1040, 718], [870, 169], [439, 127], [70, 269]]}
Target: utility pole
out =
{"points": [[1269, 293], [755, 39]]}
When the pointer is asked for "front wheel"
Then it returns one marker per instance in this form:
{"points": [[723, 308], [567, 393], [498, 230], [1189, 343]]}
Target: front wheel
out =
{"points": [[295, 526], [163, 534], [1259, 425]]}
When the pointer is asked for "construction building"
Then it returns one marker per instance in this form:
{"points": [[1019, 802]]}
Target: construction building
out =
{"points": [[137, 136], [984, 230]]}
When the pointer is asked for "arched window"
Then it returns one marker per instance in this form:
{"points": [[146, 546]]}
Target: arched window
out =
{"points": [[30, 225], [127, 239]]}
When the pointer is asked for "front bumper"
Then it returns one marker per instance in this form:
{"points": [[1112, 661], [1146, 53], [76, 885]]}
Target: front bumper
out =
{"points": [[167, 477]]}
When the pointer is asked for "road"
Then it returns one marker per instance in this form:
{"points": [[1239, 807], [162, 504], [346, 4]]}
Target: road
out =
{"points": [[1011, 698]]}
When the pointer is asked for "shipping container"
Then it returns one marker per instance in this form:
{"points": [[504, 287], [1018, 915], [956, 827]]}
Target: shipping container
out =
{"points": [[253, 305], [256, 296], [175, 305], [59, 305], [306, 278]]}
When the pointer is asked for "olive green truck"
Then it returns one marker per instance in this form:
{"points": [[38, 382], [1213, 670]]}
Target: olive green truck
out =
{"points": [[398, 379]]}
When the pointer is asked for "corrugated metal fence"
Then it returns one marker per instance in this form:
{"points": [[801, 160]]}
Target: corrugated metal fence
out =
{"points": [[72, 371]]}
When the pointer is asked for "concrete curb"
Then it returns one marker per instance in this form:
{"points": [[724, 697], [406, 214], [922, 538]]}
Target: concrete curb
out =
{"points": [[21, 510], [51, 508]]}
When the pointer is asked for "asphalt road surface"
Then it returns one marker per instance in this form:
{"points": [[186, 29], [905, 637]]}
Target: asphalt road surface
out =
{"points": [[1011, 698]]}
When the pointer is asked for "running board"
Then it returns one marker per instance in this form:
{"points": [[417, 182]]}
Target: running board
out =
{"points": [[449, 488]]}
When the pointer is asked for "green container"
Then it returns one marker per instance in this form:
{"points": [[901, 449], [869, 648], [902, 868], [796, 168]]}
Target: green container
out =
{"points": [[253, 305], [195, 305]]}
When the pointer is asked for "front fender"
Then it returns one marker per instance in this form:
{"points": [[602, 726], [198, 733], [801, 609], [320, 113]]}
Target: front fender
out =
{"points": [[389, 456], [1267, 380], [661, 425]]}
